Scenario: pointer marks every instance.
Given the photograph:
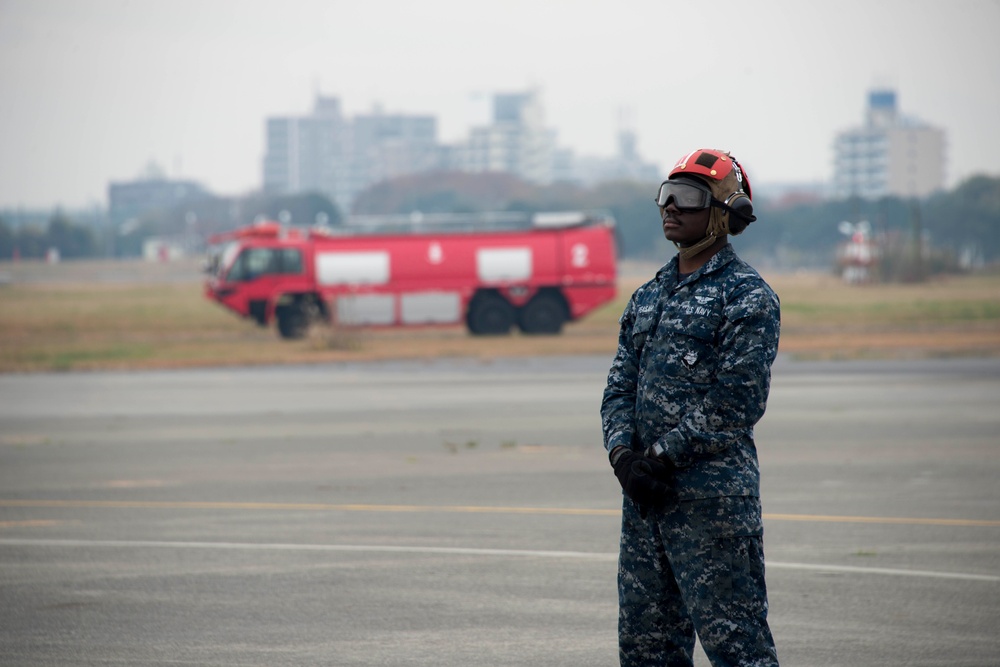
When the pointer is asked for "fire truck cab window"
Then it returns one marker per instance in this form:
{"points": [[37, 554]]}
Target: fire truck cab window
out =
{"points": [[291, 261], [252, 263], [255, 262]]}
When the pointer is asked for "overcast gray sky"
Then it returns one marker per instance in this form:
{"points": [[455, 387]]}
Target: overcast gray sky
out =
{"points": [[93, 90]]}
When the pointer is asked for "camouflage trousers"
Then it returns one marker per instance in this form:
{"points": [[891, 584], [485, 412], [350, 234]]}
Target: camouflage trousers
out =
{"points": [[696, 566]]}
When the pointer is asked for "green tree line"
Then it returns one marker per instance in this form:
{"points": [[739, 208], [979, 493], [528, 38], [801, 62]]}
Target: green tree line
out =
{"points": [[196, 220], [73, 241], [192, 221], [964, 221]]}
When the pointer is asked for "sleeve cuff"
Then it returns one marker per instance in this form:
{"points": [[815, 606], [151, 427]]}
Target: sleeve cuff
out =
{"points": [[669, 447], [620, 439]]}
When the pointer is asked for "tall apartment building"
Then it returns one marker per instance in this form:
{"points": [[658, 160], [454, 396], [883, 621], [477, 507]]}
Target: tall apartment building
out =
{"points": [[328, 153], [890, 154], [387, 146], [338, 156], [517, 142], [306, 153]]}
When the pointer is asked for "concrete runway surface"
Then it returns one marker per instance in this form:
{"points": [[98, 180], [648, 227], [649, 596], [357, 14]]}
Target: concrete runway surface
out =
{"points": [[458, 512]]}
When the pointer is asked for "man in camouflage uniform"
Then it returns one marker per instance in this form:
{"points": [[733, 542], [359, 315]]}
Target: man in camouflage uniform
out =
{"points": [[688, 383]]}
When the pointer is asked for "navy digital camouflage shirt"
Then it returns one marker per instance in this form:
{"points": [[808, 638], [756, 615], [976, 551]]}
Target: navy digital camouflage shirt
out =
{"points": [[692, 372]]}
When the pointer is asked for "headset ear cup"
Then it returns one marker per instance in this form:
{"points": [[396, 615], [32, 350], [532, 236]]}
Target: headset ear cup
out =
{"points": [[743, 208]]}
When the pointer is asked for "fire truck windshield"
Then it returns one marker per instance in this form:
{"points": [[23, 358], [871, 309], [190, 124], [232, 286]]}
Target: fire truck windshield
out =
{"points": [[252, 263]]}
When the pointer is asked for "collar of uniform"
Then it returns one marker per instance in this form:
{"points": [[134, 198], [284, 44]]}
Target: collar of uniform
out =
{"points": [[667, 275], [669, 270]]}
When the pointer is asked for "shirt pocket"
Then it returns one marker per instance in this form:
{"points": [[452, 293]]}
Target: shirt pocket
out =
{"points": [[642, 330], [691, 345]]}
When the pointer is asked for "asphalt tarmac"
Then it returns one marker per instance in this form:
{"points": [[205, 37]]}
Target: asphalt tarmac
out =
{"points": [[458, 512]]}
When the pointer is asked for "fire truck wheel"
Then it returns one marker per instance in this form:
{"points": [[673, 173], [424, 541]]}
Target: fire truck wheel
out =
{"points": [[490, 315], [293, 321], [544, 314]]}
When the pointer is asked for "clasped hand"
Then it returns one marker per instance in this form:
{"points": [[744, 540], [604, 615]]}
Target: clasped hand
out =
{"points": [[644, 479]]}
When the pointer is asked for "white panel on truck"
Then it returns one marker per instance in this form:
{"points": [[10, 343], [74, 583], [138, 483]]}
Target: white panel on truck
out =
{"points": [[430, 307], [366, 309], [503, 264], [352, 268]]}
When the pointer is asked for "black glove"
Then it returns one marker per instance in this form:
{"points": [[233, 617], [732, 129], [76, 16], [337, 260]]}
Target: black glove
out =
{"points": [[643, 479]]}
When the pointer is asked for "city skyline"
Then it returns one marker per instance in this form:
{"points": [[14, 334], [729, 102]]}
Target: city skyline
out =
{"points": [[340, 156], [94, 90]]}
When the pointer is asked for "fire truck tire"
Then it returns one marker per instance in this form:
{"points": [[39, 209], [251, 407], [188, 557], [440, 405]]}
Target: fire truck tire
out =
{"points": [[293, 320], [258, 311], [544, 314], [490, 315]]}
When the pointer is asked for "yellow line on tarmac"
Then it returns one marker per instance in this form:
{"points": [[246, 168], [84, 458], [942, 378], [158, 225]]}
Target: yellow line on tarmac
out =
{"points": [[37, 523], [460, 509], [306, 507]]}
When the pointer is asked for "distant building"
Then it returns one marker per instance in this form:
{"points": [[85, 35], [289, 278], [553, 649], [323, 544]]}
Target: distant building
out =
{"points": [[384, 146], [627, 165], [308, 153], [517, 142], [128, 201], [329, 153], [889, 155]]}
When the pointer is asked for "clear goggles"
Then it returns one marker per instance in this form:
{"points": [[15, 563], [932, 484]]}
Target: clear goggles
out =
{"points": [[686, 195]]}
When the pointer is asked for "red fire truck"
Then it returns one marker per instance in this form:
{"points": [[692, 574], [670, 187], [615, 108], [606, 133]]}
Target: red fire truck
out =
{"points": [[490, 272]]}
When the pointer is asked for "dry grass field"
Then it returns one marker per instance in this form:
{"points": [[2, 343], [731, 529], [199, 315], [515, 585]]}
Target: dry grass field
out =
{"points": [[92, 315]]}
